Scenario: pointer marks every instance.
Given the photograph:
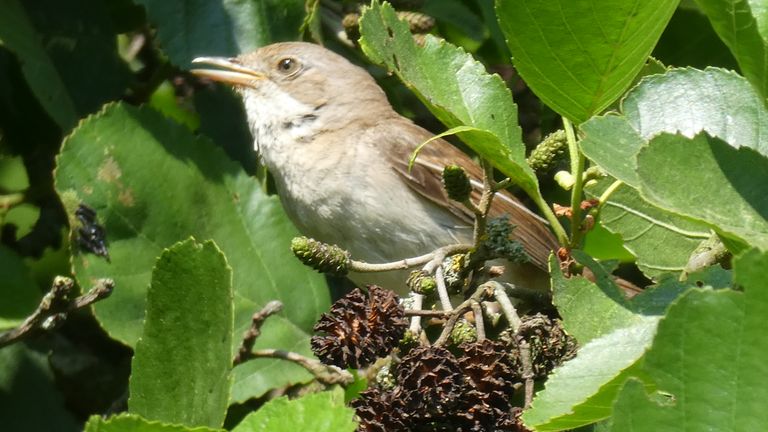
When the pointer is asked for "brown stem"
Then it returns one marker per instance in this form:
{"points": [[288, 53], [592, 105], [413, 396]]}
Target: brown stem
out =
{"points": [[254, 331], [479, 324], [327, 375], [481, 293], [55, 306], [527, 369]]}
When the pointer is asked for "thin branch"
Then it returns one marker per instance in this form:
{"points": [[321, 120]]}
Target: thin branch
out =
{"points": [[254, 331], [55, 306], [442, 290], [427, 313], [479, 324], [607, 193], [363, 267], [328, 375], [418, 302], [527, 370], [506, 306], [481, 293]]}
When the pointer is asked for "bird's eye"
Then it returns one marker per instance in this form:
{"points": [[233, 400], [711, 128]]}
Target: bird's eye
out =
{"points": [[288, 65]]}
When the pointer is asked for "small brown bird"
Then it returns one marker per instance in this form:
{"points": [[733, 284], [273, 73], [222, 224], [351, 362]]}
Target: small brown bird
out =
{"points": [[339, 154]]}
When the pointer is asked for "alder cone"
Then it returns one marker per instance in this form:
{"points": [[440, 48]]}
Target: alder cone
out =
{"points": [[430, 384], [359, 328], [492, 371], [379, 411]]}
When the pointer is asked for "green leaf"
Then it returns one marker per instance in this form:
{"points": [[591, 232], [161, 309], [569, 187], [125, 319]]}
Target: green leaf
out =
{"points": [[455, 87], [688, 101], [153, 184], [589, 310], [18, 290], [323, 411], [581, 390], [613, 333], [196, 28], [611, 142], [133, 423], [661, 241], [181, 368], [742, 25], [707, 361], [578, 56], [725, 187], [29, 399], [68, 54], [725, 105]]}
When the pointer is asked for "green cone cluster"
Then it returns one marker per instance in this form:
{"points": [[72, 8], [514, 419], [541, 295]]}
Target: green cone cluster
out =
{"points": [[549, 151], [456, 183], [322, 257]]}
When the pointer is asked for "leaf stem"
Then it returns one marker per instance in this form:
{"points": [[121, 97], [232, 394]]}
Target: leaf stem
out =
{"points": [[607, 194], [549, 215], [577, 171]]}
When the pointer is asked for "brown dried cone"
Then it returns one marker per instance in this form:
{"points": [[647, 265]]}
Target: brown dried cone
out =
{"points": [[492, 370], [430, 386], [360, 328], [550, 345], [379, 411]]}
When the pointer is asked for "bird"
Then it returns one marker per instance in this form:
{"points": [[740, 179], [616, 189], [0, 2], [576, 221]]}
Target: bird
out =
{"points": [[339, 154]]}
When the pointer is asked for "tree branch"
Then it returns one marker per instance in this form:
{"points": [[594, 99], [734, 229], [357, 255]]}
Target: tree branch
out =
{"points": [[55, 306]]}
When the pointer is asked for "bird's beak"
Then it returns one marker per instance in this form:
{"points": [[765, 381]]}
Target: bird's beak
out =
{"points": [[229, 71]]}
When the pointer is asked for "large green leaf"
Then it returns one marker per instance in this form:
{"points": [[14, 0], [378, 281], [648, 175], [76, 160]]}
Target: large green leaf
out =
{"points": [[455, 87], [153, 184], [612, 142], [661, 241], [194, 28], [323, 411], [580, 56], [707, 361], [133, 423], [743, 26], [181, 369], [688, 101], [68, 54], [685, 100], [725, 187]]}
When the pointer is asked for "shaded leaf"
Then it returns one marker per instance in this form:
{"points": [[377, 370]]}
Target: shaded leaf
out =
{"points": [[181, 369], [742, 25], [18, 290], [661, 241], [24, 377], [579, 57], [725, 186], [197, 28], [690, 40], [68, 54]]}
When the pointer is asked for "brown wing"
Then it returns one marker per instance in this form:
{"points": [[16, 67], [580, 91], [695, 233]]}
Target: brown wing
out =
{"points": [[425, 177]]}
